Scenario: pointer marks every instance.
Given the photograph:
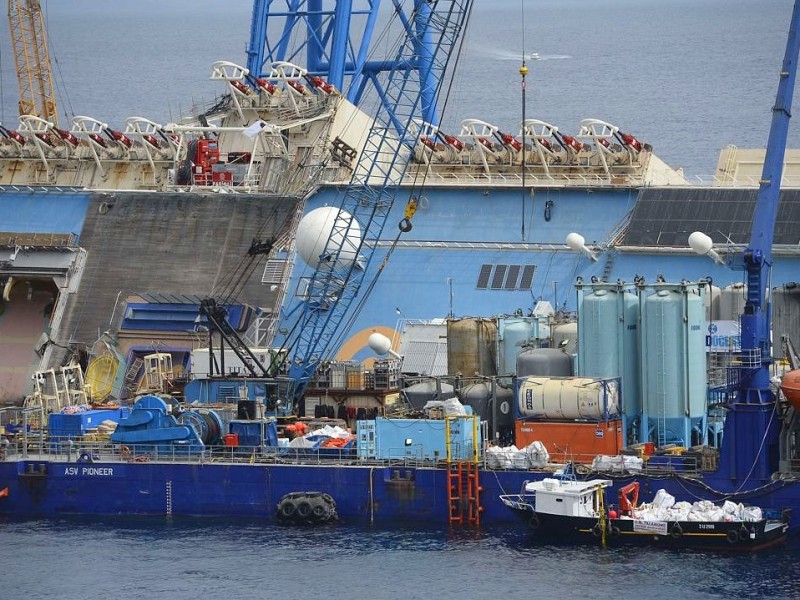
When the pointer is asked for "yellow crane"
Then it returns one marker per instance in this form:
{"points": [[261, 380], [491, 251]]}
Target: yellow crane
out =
{"points": [[32, 59]]}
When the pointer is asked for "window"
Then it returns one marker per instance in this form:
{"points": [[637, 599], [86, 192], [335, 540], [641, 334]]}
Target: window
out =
{"points": [[273, 272], [505, 277], [499, 276]]}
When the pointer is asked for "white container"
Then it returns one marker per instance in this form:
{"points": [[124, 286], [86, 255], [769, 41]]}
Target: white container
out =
{"points": [[568, 398]]}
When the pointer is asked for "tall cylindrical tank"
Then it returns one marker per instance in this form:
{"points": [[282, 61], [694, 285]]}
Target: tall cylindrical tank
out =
{"points": [[673, 364], [471, 347], [550, 362], [419, 394], [567, 398], [565, 336], [497, 409], [515, 334], [732, 299], [786, 315], [712, 297], [609, 340]]}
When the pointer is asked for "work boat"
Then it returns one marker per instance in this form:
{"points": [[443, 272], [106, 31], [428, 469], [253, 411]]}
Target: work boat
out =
{"points": [[567, 510]]}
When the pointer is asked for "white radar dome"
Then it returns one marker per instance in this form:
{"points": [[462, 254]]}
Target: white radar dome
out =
{"points": [[316, 227], [700, 242], [576, 242], [379, 343]]}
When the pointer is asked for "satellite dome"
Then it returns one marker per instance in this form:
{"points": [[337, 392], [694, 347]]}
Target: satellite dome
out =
{"points": [[315, 229]]}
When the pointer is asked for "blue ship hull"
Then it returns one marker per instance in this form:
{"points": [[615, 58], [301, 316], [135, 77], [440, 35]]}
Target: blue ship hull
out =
{"points": [[363, 494]]}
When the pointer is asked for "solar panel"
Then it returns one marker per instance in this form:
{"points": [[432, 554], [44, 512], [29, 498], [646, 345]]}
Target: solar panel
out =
{"points": [[666, 216]]}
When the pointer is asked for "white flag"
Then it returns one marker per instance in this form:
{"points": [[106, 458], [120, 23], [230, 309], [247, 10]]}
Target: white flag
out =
{"points": [[253, 130]]}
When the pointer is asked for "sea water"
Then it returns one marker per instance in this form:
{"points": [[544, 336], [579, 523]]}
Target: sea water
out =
{"points": [[192, 559]]}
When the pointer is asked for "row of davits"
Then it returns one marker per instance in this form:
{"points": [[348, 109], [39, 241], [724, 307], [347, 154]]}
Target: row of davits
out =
{"points": [[539, 139], [156, 140]]}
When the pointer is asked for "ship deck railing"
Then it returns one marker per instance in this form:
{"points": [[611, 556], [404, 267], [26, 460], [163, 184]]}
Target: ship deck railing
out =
{"points": [[442, 176], [32, 447]]}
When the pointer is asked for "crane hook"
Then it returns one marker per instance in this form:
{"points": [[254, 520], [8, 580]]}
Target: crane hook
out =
{"points": [[411, 208]]}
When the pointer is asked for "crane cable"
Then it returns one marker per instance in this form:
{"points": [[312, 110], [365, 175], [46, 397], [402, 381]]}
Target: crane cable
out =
{"points": [[289, 340], [416, 190]]}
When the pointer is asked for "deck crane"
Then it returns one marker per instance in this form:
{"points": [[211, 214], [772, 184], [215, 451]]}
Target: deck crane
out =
{"points": [[32, 59], [333, 40], [432, 31], [368, 199], [752, 427]]}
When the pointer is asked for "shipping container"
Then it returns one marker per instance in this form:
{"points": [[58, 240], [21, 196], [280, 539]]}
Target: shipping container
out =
{"points": [[572, 440], [416, 439]]}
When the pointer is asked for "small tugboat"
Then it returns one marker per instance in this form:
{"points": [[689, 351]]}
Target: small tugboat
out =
{"points": [[570, 510]]}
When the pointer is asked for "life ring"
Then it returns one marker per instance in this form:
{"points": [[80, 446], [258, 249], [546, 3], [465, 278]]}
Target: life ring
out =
{"points": [[405, 225], [287, 509], [304, 509], [597, 531], [125, 452], [676, 530], [85, 457], [534, 522], [732, 536]]}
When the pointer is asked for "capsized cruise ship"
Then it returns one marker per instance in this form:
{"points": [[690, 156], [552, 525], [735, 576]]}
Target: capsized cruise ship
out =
{"points": [[115, 237]]}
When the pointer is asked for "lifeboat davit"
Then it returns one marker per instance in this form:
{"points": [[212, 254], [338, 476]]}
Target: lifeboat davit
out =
{"points": [[790, 386]]}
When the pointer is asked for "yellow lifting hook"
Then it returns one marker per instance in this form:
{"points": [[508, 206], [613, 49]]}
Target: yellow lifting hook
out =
{"points": [[411, 208]]}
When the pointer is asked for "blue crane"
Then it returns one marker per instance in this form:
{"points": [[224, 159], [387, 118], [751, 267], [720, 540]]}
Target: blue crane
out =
{"points": [[314, 320], [334, 40], [752, 426]]}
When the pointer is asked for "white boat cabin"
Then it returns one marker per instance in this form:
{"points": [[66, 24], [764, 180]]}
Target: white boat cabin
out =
{"points": [[567, 498]]}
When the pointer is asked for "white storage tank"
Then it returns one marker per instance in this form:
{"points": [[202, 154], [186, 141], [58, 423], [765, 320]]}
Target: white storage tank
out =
{"points": [[609, 339], [713, 297], [544, 362], [471, 347], [515, 334], [567, 398], [673, 365], [732, 299], [785, 315]]}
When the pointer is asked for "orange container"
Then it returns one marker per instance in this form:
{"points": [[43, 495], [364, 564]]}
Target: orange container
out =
{"points": [[580, 442], [232, 439], [649, 448]]}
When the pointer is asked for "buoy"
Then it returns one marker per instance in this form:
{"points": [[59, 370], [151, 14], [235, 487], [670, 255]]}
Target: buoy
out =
{"points": [[790, 386]]}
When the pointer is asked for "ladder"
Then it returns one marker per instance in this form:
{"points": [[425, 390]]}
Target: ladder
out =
{"points": [[132, 372], [463, 479]]}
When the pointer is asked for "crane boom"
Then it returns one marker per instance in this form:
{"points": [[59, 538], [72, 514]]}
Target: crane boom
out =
{"points": [[32, 59], [429, 42]]}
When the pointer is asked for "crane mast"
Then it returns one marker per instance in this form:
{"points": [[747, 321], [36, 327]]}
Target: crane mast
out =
{"points": [[752, 425], [431, 36], [334, 40], [32, 60]]}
